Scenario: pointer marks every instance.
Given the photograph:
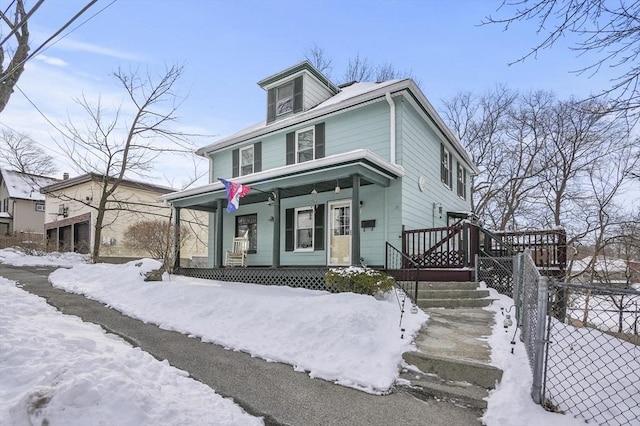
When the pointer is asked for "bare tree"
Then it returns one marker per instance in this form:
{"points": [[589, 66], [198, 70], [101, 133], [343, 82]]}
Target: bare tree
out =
{"points": [[19, 29], [319, 59], [126, 142], [359, 69], [19, 152], [609, 30], [158, 238]]}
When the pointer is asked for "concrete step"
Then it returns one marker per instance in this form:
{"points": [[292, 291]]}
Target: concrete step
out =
{"points": [[455, 370], [453, 303], [447, 285], [452, 294], [429, 385]]}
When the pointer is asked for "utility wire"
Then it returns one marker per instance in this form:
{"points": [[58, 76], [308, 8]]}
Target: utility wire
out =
{"points": [[35, 52], [16, 27]]}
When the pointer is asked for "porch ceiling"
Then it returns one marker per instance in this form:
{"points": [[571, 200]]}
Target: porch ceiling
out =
{"points": [[292, 181]]}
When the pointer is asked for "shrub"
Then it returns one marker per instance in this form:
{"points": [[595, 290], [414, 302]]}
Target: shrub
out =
{"points": [[358, 280]]}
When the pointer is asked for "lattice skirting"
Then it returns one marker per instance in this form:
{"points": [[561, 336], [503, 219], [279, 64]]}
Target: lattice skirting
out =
{"points": [[310, 278]]}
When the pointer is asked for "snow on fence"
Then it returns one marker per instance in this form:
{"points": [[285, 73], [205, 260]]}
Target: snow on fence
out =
{"points": [[582, 343]]}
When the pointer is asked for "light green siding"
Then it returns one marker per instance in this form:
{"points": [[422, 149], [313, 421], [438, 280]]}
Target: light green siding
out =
{"points": [[363, 128], [419, 154], [314, 92]]}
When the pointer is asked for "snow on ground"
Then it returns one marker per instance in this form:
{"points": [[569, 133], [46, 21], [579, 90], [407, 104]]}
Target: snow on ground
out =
{"points": [[511, 403], [58, 370], [346, 338], [350, 339], [17, 257]]}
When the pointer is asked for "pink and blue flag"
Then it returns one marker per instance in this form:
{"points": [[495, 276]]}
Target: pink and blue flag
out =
{"points": [[235, 191]]}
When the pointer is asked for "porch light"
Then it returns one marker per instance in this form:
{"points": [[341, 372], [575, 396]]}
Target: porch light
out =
{"points": [[337, 188], [314, 198]]}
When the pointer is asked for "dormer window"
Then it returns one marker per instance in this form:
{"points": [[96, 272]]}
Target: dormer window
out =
{"points": [[284, 99]]}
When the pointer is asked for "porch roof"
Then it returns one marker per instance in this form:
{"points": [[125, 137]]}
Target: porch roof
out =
{"points": [[294, 180]]}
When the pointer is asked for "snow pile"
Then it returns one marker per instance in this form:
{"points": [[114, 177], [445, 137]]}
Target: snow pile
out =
{"points": [[16, 257], [510, 402], [58, 370], [350, 339]]}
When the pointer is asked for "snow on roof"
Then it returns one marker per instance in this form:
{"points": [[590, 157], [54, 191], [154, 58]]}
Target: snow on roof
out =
{"points": [[25, 186], [346, 93]]}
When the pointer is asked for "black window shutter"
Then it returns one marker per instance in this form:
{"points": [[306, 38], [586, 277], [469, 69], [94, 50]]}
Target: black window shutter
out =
{"points": [[450, 171], [291, 150], [235, 169], [257, 157], [318, 236], [271, 105], [319, 140], [443, 169], [288, 230], [297, 94]]}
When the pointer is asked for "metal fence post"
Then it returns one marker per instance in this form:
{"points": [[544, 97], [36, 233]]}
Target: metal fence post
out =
{"points": [[539, 344]]}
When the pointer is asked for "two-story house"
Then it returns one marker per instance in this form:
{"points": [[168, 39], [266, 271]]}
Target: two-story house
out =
{"points": [[71, 211], [335, 173], [21, 203]]}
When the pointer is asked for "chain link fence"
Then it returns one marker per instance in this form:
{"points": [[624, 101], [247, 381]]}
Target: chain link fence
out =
{"points": [[582, 343], [496, 272]]}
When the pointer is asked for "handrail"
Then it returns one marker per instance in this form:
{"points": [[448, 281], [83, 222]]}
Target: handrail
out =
{"points": [[406, 260]]}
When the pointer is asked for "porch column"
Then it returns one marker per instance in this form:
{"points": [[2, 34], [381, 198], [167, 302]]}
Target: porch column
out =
{"points": [[217, 261], [275, 253], [355, 218], [176, 238]]}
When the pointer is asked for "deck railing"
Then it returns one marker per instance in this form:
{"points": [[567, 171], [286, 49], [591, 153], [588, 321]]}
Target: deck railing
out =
{"points": [[456, 246], [404, 270]]}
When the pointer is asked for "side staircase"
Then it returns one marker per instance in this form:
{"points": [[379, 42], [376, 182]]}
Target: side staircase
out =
{"points": [[453, 357]]}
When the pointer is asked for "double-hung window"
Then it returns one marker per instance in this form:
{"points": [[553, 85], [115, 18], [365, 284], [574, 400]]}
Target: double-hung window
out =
{"points": [[446, 166], [304, 225], [462, 181], [284, 99], [246, 160], [305, 145]]}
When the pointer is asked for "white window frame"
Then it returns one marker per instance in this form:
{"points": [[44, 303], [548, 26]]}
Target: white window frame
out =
{"points": [[313, 143], [461, 179], [253, 159], [280, 101], [39, 207], [297, 210], [446, 161]]}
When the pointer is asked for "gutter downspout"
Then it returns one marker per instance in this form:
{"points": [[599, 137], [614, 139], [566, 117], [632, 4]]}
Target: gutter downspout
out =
{"points": [[392, 125]]}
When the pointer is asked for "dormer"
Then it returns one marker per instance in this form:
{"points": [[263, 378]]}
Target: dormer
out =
{"points": [[296, 89]]}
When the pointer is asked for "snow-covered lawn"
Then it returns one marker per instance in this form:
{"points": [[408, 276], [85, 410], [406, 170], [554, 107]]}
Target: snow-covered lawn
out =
{"points": [[350, 339], [57, 370]]}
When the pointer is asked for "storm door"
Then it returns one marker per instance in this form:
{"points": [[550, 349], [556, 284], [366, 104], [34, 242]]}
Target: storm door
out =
{"points": [[339, 229]]}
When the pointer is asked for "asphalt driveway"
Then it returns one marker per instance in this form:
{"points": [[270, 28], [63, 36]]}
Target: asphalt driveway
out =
{"points": [[271, 390]]}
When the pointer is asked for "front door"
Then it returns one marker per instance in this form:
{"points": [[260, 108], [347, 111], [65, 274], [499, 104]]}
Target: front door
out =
{"points": [[339, 253]]}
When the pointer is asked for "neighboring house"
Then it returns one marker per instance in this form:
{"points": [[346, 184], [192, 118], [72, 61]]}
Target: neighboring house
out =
{"points": [[21, 203], [71, 209], [335, 173], [605, 271]]}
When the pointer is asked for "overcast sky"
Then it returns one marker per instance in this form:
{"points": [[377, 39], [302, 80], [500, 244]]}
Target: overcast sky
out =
{"points": [[228, 46]]}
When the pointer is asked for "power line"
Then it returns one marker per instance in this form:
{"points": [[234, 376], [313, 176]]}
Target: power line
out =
{"points": [[16, 27], [35, 52]]}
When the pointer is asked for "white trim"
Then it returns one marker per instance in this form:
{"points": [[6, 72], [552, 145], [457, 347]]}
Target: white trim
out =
{"points": [[313, 143], [329, 227], [392, 171], [295, 229], [253, 159]]}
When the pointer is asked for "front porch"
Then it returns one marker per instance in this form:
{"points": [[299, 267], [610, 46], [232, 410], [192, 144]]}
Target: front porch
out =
{"points": [[446, 254]]}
